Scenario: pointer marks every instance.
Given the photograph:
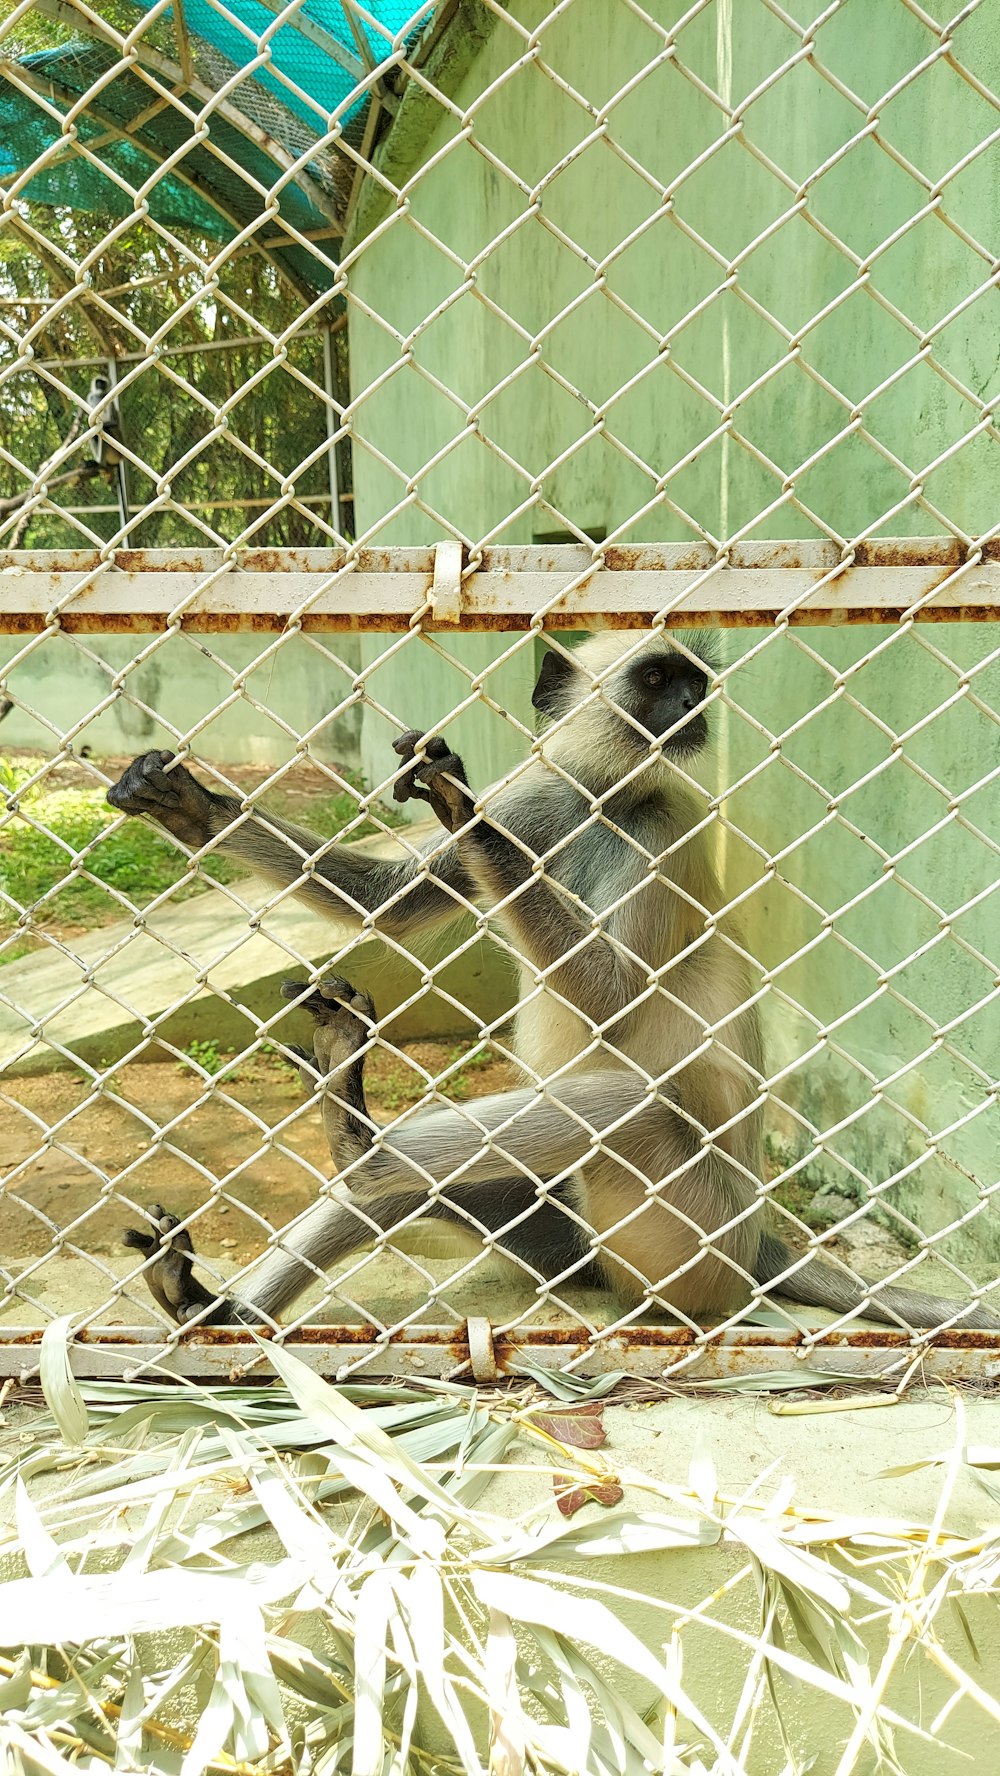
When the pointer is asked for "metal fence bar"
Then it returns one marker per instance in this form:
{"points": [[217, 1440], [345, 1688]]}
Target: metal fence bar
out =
{"points": [[444, 1351], [558, 586]]}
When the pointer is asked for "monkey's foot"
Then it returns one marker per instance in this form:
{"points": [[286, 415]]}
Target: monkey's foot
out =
{"points": [[343, 1016], [171, 1281], [435, 775], [173, 798]]}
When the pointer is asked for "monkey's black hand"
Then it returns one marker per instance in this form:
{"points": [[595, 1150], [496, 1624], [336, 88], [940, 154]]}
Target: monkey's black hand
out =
{"points": [[172, 797], [171, 1281], [344, 1017], [436, 776]]}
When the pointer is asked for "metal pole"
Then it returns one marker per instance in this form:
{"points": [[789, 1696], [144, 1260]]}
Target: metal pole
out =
{"points": [[331, 430]]}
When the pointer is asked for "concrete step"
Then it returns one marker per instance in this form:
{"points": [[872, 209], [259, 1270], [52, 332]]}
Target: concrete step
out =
{"points": [[206, 969]]}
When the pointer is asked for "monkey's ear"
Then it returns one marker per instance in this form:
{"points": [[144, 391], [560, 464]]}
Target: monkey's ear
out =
{"points": [[548, 696]]}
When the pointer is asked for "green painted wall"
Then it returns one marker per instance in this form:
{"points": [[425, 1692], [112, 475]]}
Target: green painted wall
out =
{"points": [[883, 734], [236, 701]]}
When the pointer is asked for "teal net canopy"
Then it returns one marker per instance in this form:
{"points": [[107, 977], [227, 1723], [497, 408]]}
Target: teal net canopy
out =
{"points": [[272, 151]]}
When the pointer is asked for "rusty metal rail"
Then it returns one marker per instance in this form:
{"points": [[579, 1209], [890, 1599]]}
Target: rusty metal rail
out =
{"points": [[563, 586], [444, 1352]]}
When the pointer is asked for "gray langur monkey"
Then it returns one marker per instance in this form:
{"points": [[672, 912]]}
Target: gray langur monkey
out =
{"points": [[101, 401], [631, 1155], [105, 446]]}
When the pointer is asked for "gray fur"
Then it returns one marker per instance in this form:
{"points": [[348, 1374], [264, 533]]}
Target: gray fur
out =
{"points": [[636, 1015]]}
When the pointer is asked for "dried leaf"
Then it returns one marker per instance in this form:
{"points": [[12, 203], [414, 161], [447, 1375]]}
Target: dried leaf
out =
{"points": [[703, 1479], [371, 1631], [572, 1493], [778, 1381], [580, 1427], [586, 1619], [59, 1385], [91, 1606], [975, 1455], [627, 1532], [853, 1403], [567, 1386], [812, 1575], [15, 1690], [42, 1555], [507, 1723]]}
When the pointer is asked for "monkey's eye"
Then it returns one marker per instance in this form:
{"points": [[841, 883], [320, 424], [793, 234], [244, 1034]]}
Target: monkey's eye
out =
{"points": [[654, 677]]}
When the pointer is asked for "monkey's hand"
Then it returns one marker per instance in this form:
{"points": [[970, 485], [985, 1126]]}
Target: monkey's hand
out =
{"points": [[435, 775], [171, 1281], [172, 797], [343, 1016]]}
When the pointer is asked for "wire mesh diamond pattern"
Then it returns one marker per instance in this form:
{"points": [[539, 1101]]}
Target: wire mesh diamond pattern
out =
{"points": [[352, 361]]}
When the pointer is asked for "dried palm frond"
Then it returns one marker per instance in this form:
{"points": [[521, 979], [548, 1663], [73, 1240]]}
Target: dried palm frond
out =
{"points": [[310, 1579]]}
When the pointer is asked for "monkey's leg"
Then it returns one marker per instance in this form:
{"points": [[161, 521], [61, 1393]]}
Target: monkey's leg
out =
{"points": [[170, 1277], [539, 1226], [546, 1239], [339, 882], [499, 1188], [507, 1162], [343, 1018]]}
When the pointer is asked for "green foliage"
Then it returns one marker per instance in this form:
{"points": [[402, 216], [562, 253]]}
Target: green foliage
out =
{"points": [[399, 1086], [206, 1055], [58, 856], [57, 850], [157, 288]]}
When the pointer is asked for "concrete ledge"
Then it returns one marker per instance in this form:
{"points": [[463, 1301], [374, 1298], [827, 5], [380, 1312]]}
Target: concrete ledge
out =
{"points": [[199, 970]]}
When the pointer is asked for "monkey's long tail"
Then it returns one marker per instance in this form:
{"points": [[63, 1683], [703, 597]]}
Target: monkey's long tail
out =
{"points": [[819, 1285]]}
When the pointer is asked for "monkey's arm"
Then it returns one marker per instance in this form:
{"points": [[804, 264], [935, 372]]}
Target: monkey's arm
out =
{"points": [[339, 883], [500, 852]]}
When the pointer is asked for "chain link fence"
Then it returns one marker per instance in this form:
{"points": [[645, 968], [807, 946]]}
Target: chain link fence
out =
{"points": [[352, 363]]}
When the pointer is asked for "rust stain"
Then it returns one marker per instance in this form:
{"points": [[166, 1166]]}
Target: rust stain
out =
{"points": [[722, 1351], [216, 622], [272, 561], [223, 1337], [137, 561], [910, 552]]}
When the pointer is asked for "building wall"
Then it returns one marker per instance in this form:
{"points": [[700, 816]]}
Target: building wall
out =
{"points": [[233, 705], [902, 728]]}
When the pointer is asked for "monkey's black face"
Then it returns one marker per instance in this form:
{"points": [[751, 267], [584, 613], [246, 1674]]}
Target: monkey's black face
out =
{"points": [[664, 692]]}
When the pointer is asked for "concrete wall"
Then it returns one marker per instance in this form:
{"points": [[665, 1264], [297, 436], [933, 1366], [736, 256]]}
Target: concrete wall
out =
{"points": [[928, 1029], [235, 706]]}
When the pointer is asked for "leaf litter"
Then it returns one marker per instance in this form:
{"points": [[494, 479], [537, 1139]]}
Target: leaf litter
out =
{"points": [[389, 1623]]}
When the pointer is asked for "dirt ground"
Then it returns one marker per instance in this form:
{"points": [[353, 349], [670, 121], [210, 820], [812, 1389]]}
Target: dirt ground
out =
{"points": [[245, 1151], [162, 1133]]}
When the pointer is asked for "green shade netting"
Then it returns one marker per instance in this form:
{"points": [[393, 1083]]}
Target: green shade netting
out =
{"points": [[212, 194]]}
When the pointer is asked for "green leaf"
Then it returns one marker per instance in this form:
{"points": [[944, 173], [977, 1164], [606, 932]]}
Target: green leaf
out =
{"points": [[59, 1385]]}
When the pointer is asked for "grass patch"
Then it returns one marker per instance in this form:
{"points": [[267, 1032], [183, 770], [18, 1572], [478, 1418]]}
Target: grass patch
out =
{"points": [[59, 859], [396, 1087]]}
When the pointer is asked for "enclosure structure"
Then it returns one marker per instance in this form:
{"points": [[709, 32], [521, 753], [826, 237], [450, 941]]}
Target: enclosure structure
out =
{"points": [[422, 339]]}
